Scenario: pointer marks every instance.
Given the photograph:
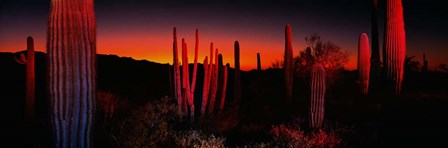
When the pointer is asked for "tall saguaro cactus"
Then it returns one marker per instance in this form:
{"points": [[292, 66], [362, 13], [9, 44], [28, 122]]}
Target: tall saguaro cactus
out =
{"points": [[71, 49], [288, 62], [237, 83], [394, 45], [364, 63], [375, 65], [318, 88], [30, 79]]}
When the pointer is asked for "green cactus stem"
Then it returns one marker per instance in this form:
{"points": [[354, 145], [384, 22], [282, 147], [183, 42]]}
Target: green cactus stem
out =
{"points": [[214, 85], [71, 52], [177, 80], [258, 62], [224, 88], [364, 62], [30, 79], [288, 62], [205, 87], [394, 46], [237, 83], [317, 108]]}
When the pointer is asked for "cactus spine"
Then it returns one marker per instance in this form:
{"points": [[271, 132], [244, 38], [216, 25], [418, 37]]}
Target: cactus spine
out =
{"points": [[288, 62], [395, 45], [71, 48], [224, 88], [30, 79], [363, 62], [317, 109], [258, 62], [237, 87]]}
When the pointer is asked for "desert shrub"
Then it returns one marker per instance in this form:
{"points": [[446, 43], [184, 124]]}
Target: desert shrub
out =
{"points": [[197, 139], [109, 104], [293, 136], [146, 126]]}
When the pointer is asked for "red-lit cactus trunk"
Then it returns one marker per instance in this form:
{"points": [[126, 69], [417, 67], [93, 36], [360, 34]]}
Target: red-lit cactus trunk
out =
{"points": [[224, 88], [71, 49], [258, 62], [364, 63], [318, 88], [177, 84], [237, 81], [30, 80], [394, 45], [288, 62]]}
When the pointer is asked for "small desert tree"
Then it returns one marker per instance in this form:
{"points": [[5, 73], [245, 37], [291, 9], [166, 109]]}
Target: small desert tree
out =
{"points": [[330, 55]]}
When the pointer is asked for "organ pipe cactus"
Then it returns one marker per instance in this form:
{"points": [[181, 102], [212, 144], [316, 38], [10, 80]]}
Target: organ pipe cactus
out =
{"points": [[177, 84], [224, 88], [237, 83], [188, 97], [71, 52], [318, 87], [184, 92], [258, 62], [207, 81], [288, 62], [364, 62], [394, 45], [214, 85], [30, 79], [205, 87]]}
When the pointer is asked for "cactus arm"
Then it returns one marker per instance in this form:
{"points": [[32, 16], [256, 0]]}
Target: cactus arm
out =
{"points": [[205, 88], [20, 61]]}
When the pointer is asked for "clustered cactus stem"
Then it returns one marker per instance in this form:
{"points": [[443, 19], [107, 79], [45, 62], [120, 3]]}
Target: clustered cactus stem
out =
{"points": [[30, 79], [288, 62], [237, 81], [394, 45], [318, 88], [214, 85], [184, 92], [224, 88], [364, 63], [205, 86], [177, 84], [258, 62]]}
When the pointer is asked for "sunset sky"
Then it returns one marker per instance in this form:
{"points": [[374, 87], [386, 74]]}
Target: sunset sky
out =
{"points": [[142, 29]]}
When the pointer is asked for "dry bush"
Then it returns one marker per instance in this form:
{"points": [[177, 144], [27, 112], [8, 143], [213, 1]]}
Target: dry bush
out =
{"points": [[147, 126], [197, 139], [289, 136]]}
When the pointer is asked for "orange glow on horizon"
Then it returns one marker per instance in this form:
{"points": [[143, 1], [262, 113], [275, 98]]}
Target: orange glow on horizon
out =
{"points": [[144, 46]]}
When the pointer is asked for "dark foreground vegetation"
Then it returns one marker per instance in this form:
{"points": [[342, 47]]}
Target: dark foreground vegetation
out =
{"points": [[135, 108]]}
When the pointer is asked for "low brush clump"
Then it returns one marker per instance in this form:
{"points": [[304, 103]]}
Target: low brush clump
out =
{"points": [[145, 126], [196, 138], [291, 136]]}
